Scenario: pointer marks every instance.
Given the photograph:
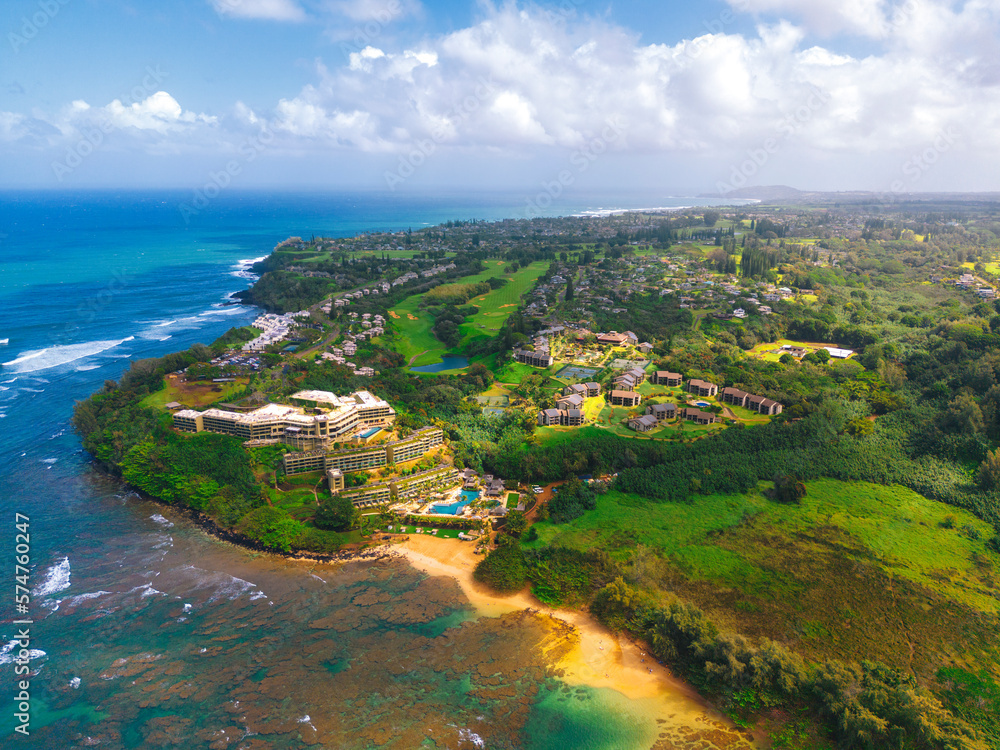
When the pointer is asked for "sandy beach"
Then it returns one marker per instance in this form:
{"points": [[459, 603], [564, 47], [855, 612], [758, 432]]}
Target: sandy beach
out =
{"points": [[599, 659]]}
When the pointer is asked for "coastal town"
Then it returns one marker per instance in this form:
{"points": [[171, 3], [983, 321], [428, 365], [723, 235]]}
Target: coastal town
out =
{"points": [[611, 411]]}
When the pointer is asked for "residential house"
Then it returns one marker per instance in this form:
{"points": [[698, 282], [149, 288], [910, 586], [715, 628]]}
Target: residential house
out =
{"points": [[643, 424], [763, 405], [662, 412], [625, 398], [534, 359], [699, 416], [734, 396], [612, 339], [663, 377], [572, 401], [702, 388]]}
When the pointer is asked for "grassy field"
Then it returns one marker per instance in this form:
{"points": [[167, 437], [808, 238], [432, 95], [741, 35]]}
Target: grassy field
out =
{"points": [[856, 571], [417, 343], [193, 394], [770, 352], [498, 305]]}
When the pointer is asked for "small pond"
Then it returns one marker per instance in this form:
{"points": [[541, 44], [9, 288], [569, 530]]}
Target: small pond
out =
{"points": [[447, 363]]}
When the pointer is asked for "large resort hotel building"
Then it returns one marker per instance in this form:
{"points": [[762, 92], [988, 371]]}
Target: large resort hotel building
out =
{"points": [[322, 418]]}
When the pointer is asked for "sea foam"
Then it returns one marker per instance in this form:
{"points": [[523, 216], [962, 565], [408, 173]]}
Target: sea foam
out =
{"points": [[54, 356], [56, 579]]}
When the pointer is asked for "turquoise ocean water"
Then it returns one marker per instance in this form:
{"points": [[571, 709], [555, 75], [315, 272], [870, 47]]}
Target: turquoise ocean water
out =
{"points": [[148, 633]]}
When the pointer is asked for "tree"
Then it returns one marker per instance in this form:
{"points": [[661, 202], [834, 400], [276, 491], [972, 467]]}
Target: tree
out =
{"points": [[516, 523], [270, 526], [569, 290], [711, 217], [988, 476], [964, 415], [503, 570], [337, 513], [788, 489]]}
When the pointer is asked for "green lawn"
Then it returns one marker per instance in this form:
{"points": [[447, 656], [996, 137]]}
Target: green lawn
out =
{"points": [[857, 571], [498, 305], [893, 527], [198, 395], [417, 343]]}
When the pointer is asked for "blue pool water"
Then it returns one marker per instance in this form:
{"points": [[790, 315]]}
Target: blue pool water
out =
{"points": [[467, 497], [447, 363], [702, 403], [373, 431]]}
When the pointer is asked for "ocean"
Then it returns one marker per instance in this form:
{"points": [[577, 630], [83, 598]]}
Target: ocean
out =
{"points": [[146, 632]]}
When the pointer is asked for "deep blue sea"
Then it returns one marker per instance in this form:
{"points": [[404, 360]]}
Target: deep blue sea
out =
{"points": [[148, 633]]}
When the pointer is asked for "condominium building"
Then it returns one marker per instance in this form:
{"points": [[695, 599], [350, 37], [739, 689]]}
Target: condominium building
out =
{"points": [[333, 417], [402, 488], [418, 444]]}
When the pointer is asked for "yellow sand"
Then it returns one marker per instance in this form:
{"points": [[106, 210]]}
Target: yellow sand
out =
{"points": [[601, 658]]}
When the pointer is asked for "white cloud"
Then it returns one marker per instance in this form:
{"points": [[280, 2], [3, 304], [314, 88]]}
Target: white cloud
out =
{"points": [[868, 18], [269, 10], [159, 112], [522, 82]]}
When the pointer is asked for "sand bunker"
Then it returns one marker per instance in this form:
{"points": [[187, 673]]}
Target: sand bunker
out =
{"points": [[412, 317], [392, 314]]}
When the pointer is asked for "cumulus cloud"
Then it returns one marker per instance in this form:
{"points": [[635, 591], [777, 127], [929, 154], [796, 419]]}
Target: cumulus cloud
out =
{"points": [[522, 81], [159, 112], [522, 78], [827, 17], [268, 10]]}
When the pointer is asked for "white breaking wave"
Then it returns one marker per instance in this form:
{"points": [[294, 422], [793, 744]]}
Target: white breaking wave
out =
{"points": [[467, 735], [242, 269], [161, 520], [227, 310], [146, 589], [43, 359], [56, 579], [87, 368], [74, 683], [10, 649], [225, 586], [74, 600], [49, 460]]}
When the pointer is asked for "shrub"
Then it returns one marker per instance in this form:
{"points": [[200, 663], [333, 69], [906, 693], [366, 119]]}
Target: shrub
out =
{"points": [[270, 526], [337, 513], [503, 569]]}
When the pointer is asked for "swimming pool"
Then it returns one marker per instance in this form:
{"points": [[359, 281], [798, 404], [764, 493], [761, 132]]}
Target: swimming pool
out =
{"points": [[702, 403], [466, 497], [369, 433]]}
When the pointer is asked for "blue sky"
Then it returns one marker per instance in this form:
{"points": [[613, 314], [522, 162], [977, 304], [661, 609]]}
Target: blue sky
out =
{"points": [[887, 95]]}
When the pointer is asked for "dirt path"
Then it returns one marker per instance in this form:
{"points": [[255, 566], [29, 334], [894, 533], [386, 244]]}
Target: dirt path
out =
{"points": [[414, 357]]}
